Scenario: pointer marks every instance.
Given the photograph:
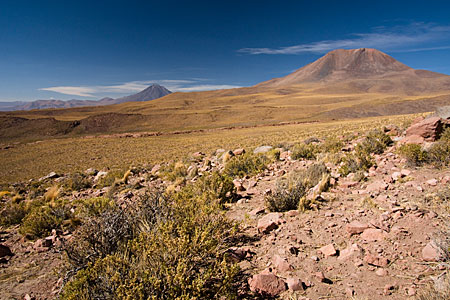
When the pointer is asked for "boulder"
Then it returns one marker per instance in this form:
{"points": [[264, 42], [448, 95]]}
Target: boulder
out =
{"points": [[373, 234], [430, 129], [262, 149], [328, 250], [267, 284]]}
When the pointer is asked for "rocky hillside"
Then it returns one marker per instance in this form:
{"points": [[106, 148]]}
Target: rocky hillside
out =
{"points": [[359, 216]]}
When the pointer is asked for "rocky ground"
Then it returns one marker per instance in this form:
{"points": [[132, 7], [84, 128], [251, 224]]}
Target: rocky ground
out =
{"points": [[381, 237]]}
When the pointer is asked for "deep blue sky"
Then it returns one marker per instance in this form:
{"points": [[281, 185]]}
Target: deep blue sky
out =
{"points": [[112, 48]]}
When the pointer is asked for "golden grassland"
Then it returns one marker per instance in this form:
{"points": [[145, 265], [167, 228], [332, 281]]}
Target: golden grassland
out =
{"points": [[33, 160]]}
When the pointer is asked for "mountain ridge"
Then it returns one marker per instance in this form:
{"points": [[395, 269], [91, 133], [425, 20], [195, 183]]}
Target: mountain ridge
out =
{"points": [[152, 92]]}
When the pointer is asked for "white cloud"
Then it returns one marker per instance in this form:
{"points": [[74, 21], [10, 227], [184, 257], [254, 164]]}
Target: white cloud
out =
{"points": [[173, 85], [398, 38]]}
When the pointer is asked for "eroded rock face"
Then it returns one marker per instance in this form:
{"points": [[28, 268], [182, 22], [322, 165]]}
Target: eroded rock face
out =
{"points": [[430, 129], [267, 284]]}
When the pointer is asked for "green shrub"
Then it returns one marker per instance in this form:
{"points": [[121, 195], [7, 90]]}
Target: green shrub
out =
{"points": [[247, 164], [77, 182], [94, 206], [166, 246], [331, 145], [439, 153], [174, 171], [274, 154], [305, 151], [111, 178], [42, 219], [215, 186], [414, 154], [12, 213]]}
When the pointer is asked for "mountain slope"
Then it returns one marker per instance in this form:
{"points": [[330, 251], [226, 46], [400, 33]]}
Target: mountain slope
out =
{"points": [[363, 70]]}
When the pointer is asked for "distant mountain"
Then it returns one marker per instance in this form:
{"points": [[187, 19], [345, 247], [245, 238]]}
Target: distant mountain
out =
{"points": [[154, 91], [366, 70]]}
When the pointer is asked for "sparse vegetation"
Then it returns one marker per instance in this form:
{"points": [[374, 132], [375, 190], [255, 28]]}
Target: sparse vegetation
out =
{"points": [[305, 151], [414, 154], [246, 164]]}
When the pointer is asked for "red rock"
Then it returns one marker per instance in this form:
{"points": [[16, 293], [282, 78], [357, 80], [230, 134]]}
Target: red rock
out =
{"points": [[350, 251], [432, 182], [396, 176], [256, 211], [348, 184], [269, 222], [267, 284], [238, 185], [431, 252], [320, 276], [328, 250], [376, 260], [430, 129], [294, 284], [381, 272], [239, 151], [405, 172], [5, 251], [412, 139], [373, 234], [292, 213], [198, 154], [377, 186], [281, 264], [356, 227]]}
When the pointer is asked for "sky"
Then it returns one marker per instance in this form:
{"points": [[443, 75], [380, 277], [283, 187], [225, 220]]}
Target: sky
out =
{"points": [[93, 49]]}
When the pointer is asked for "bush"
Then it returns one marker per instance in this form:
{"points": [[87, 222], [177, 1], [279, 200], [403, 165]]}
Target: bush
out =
{"points": [[174, 171], [167, 246], [42, 219], [214, 186], [290, 192], [331, 145], [77, 182], [247, 164], [111, 178], [94, 206], [375, 142], [304, 151], [360, 160], [414, 154], [13, 213], [439, 153]]}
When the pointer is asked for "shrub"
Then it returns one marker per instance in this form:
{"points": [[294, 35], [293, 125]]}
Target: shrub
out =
{"points": [[274, 154], [439, 153], [52, 193], [290, 192], [77, 182], [94, 206], [111, 178], [42, 219], [167, 246], [247, 164], [414, 154], [174, 171], [331, 145], [375, 142], [439, 289], [13, 213], [304, 151], [214, 186]]}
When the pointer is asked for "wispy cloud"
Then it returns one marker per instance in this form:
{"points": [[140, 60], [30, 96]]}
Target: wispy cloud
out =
{"points": [[174, 85], [400, 38]]}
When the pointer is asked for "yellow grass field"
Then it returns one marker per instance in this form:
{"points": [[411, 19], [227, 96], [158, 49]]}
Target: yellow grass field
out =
{"points": [[33, 160]]}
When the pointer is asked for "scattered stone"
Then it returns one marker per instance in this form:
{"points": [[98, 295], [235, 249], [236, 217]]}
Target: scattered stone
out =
{"points": [[377, 186], [405, 172], [377, 261], [431, 252], [294, 284], [328, 250], [396, 176], [412, 139], [281, 264], [91, 172], [99, 175], [262, 149], [269, 222], [49, 176], [239, 151], [373, 234], [381, 272], [356, 227], [267, 284], [320, 276], [257, 211], [348, 252], [292, 213], [432, 182]]}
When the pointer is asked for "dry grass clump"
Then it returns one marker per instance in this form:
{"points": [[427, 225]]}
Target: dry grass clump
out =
{"points": [[290, 193], [305, 151], [77, 182], [246, 165], [414, 154], [438, 290]]}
